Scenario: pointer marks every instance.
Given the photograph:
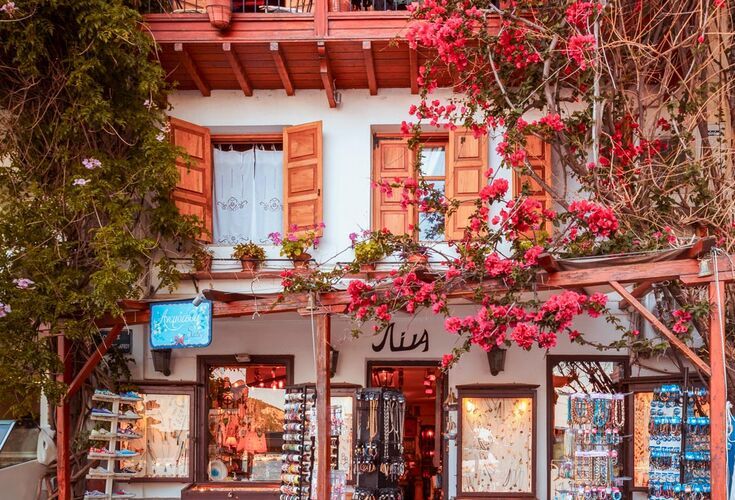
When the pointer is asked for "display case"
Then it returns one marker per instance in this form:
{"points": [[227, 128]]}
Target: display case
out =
{"points": [[496, 441]]}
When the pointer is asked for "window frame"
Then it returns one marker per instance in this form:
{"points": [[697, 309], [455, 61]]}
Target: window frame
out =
{"points": [[243, 140], [428, 139], [203, 365], [174, 388], [499, 391], [554, 359]]}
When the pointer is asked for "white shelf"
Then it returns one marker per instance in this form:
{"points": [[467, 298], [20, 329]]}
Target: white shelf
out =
{"points": [[104, 418], [122, 476]]}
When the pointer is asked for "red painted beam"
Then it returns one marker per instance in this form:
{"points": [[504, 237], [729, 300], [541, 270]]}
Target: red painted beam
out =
{"points": [[93, 361], [63, 423], [323, 402], [717, 393], [280, 61], [367, 53], [237, 68], [413, 65], [190, 66], [325, 71]]}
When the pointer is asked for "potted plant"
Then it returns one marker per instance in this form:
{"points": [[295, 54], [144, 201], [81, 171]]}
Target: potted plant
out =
{"points": [[220, 13], [201, 260], [411, 251], [373, 248], [250, 255], [295, 245]]}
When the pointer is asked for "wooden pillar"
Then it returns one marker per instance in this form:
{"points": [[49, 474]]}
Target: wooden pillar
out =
{"points": [[717, 393], [323, 399], [63, 423], [321, 12]]}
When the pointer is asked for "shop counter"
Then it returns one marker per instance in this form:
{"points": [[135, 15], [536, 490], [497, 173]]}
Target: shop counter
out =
{"points": [[229, 491]]}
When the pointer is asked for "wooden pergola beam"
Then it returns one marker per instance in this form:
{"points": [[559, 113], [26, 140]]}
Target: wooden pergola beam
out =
{"points": [[367, 54], [280, 60], [638, 291], [325, 71], [323, 402], [413, 70], [93, 361], [670, 336], [191, 68], [237, 68], [717, 393]]}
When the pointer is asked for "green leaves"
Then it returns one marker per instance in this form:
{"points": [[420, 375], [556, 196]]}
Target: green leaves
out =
{"points": [[78, 82]]}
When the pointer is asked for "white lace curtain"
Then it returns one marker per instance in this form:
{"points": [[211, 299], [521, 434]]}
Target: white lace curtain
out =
{"points": [[248, 195]]}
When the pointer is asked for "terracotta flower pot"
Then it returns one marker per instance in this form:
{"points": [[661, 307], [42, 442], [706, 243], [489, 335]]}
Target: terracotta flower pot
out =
{"points": [[301, 261], [220, 13], [417, 258], [367, 268], [249, 264]]}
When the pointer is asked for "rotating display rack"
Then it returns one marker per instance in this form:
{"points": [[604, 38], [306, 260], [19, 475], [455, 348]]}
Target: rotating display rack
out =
{"points": [[298, 444], [679, 444], [109, 453], [378, 456]]}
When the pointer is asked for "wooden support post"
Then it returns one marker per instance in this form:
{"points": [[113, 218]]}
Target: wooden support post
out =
{"points": [[413, 70], [639, 290], [323, 401], [93, 361], [367, 54], [325, 71], [321, 26], [190, 66], [63, 423], [237, 68], [280, 61], [717, 393], [651, 318]]}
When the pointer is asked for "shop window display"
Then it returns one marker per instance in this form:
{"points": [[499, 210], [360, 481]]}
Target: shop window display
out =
{"points": [[497, 441], [245, 422], [164, 443], [582, 385]]}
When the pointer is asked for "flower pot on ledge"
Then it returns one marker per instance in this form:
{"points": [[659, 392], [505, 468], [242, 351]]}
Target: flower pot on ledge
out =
{"points": [[204, 265], [367, 268], [249, 265], [418, 259], [220, 13], [301, 261]]}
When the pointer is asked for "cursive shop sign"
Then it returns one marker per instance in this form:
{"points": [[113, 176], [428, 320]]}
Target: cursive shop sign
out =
{"points": [[389, 339], [181, 324]]}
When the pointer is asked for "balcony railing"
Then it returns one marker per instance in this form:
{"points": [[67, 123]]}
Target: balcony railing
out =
{"points": [[273, 6]]}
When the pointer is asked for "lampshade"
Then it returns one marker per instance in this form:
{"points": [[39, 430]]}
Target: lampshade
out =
{"points": [[384, 377], [496, 360]]}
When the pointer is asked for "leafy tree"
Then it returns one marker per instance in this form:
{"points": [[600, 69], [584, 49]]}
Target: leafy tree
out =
{"points": [[86, 171]]}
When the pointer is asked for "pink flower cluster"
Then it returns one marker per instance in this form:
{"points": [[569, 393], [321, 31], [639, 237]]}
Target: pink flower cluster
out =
{"points": [[683, 321], [578, 46], [600, 220], [578, 14]]}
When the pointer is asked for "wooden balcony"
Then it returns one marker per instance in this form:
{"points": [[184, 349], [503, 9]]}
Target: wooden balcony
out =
{"points": [[322, 45]]}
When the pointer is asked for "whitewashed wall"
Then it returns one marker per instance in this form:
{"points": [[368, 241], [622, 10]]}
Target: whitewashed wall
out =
{"points": [[347, 133]]}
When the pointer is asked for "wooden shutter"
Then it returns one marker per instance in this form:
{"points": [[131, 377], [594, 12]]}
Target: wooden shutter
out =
{"points": [[392, 159], [467, 162], [193, 191], [302, 177], [539, 160]]}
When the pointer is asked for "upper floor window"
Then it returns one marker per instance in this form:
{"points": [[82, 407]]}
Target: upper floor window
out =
{"points": [[245, 187], [454, 163], [248, 192]]}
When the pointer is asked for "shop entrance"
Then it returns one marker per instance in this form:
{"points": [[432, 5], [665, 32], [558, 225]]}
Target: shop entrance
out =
{"points": [[425, 389]]}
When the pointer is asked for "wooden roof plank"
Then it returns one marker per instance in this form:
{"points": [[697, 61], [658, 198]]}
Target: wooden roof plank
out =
{"points": [[188, 63], [413, 64], [367, 52], [277, 53], [236, 65], [325, 71]]}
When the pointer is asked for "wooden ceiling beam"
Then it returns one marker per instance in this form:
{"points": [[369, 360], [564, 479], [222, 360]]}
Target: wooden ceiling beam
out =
{"points": [[237, 68], [367, 54], [281, 67], [413, 67], [668, 334], [191, 68], [325, 71], [640, 290]]}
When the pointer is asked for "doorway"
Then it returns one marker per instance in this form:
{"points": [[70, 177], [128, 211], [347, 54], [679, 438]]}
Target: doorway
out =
{"points": [[425, 388]]}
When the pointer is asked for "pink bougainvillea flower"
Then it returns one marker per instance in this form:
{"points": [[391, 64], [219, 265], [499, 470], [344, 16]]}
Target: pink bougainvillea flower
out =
{"points": [[8, 8], [91, 163], [4, 310], [23, 283]]}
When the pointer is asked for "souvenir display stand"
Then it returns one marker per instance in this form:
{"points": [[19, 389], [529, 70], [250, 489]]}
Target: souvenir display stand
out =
{"points": [[111, 454], [337, 478], [379, 444], [679, 444], [597, 422], [298, 443]]}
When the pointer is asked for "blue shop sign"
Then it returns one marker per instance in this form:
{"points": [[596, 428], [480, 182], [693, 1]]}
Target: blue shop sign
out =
{"points": [[181, 324]]}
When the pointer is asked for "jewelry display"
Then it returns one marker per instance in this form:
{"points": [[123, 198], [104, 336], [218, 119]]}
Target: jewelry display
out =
{"points": [[679, 444], [596, 423], [378, 453], [298, 443], [496, 438]]}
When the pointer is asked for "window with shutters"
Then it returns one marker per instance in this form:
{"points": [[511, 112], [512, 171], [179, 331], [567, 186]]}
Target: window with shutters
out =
{"points": [[244, 187], [454, 163], [248, 192]]}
